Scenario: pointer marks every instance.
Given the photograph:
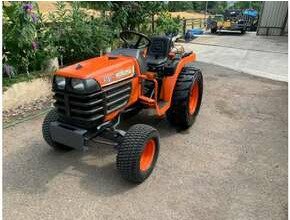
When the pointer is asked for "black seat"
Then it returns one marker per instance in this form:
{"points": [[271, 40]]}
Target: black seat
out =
{"points": [[158, 51], [136, 53]]}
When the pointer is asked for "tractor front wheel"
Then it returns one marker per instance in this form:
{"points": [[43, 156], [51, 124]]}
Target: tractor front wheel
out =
{"points": [[186, 98], [52, 116], [138, 153]]}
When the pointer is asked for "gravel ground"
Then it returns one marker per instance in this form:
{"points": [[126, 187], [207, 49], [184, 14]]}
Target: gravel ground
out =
{"points": [[231, 164], [24, 110]]}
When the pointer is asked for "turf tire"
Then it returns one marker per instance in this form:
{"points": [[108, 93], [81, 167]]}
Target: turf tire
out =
{"points": [[131, 149], [179, 114], [52, 116]]}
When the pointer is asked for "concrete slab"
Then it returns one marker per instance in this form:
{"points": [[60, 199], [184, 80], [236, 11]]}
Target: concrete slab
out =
{"points": [[260, 56]]}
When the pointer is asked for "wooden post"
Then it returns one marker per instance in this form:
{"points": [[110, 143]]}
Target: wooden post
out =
{"points": [[184, 26], [205, 12]]}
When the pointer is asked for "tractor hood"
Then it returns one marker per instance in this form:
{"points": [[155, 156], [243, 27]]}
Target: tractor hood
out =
{"points": [[106, 69]]}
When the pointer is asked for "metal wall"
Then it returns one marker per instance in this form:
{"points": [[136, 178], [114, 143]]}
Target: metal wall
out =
{"points": [[273, 18]]}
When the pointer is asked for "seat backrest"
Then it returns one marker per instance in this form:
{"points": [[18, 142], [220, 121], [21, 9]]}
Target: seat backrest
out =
{"points": [[159, 47], [135, 53]]}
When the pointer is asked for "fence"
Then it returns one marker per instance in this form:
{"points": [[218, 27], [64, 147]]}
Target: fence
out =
{"points": [[193, 23]]}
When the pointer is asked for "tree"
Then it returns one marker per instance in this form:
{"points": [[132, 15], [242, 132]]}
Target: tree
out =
{"points": [[154, 8], [180, 6], [249, 4], [129, 15], [217, 7]]}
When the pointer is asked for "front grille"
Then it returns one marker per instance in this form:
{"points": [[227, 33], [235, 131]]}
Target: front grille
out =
{"points": [[89, 110]]}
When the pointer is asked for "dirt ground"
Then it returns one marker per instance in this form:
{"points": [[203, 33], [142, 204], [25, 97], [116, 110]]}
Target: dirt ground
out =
{"points": [[231, 164]]}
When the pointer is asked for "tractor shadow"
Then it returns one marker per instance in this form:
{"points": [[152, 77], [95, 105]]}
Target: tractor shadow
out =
{"points": [[148, 117], [49, 170], [37, 169]]}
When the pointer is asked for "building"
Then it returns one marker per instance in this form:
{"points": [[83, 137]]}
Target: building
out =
{"points": [[273, 20]]}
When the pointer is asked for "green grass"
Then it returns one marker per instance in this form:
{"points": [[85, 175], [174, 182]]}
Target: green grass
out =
{"points": [[7, 82]]}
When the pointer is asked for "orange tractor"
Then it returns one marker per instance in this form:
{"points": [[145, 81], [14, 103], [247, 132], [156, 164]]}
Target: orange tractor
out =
{"points": [[90, 97]]}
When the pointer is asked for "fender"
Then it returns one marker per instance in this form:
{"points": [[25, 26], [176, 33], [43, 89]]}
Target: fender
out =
{"points": [[168, 83]]}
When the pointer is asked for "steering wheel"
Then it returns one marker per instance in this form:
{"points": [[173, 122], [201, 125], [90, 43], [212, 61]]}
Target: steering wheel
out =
{"points": [[137, 45]]}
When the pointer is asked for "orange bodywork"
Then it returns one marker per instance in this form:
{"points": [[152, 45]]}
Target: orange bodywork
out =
{"points": [[107, 70]]}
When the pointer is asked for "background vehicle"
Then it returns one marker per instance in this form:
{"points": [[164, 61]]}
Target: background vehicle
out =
{"points": [[91, 95], [234, 20]]}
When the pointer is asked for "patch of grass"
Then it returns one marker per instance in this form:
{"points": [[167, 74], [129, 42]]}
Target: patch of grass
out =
{"points": [[7, 82]]}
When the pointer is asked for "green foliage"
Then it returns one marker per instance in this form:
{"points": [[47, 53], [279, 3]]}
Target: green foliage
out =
{"points": [[249, 4], [77, 35], [20, 36], [166, 24], [182, 5], [129, 15], [26, 40], [217, 6], [71, 35], [134, 15]]}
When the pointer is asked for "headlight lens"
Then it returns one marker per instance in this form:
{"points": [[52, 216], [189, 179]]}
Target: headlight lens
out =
{"points": [[60, 82], [78, 84], [84, 85]]}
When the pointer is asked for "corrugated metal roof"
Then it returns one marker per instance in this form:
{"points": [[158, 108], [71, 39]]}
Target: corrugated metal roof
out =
{"points": [[272, 18]]}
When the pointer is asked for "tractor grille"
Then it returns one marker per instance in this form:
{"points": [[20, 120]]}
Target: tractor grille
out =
{"points": [[89, 110]]}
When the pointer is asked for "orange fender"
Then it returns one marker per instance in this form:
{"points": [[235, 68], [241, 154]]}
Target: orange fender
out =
{"points": [[168, 83]]}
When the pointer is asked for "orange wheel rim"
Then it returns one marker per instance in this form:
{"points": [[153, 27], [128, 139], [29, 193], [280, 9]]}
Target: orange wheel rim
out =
{"points": [[147, 155], [193, 99]]}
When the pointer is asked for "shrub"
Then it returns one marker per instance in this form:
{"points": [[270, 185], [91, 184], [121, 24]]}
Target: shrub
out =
{"points": [[23, 39], [70, 35], [166, 24], [77, 35]]}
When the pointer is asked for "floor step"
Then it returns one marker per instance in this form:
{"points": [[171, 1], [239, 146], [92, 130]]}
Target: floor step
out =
{"points": [[147, 100]]}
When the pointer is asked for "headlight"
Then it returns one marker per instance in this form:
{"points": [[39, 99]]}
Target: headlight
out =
{"points": [[78, 84], [84, 85], [60, 82]]}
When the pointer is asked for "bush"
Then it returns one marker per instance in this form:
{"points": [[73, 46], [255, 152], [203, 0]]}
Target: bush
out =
{"points": [[77, 35], [70, 35], [20, 39], [166, 24]]}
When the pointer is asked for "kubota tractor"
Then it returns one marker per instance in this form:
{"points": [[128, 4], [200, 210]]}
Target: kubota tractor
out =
{"points": [[91, 95]]}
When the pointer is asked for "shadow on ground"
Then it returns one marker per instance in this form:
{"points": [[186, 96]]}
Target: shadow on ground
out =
{"points": [[47, 164]]}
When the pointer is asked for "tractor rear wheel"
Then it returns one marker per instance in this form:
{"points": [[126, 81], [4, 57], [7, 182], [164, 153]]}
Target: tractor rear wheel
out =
{"points": [[138, 153], [186, 98], [52, 116]]}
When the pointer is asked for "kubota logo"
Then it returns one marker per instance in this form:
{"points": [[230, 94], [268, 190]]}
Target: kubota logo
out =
{"points": [[108, 79], [117, 76], [123, 73]]}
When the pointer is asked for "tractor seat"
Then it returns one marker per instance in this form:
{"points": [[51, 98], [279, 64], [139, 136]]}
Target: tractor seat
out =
{"points": [[158, 51], [136, 53]]}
